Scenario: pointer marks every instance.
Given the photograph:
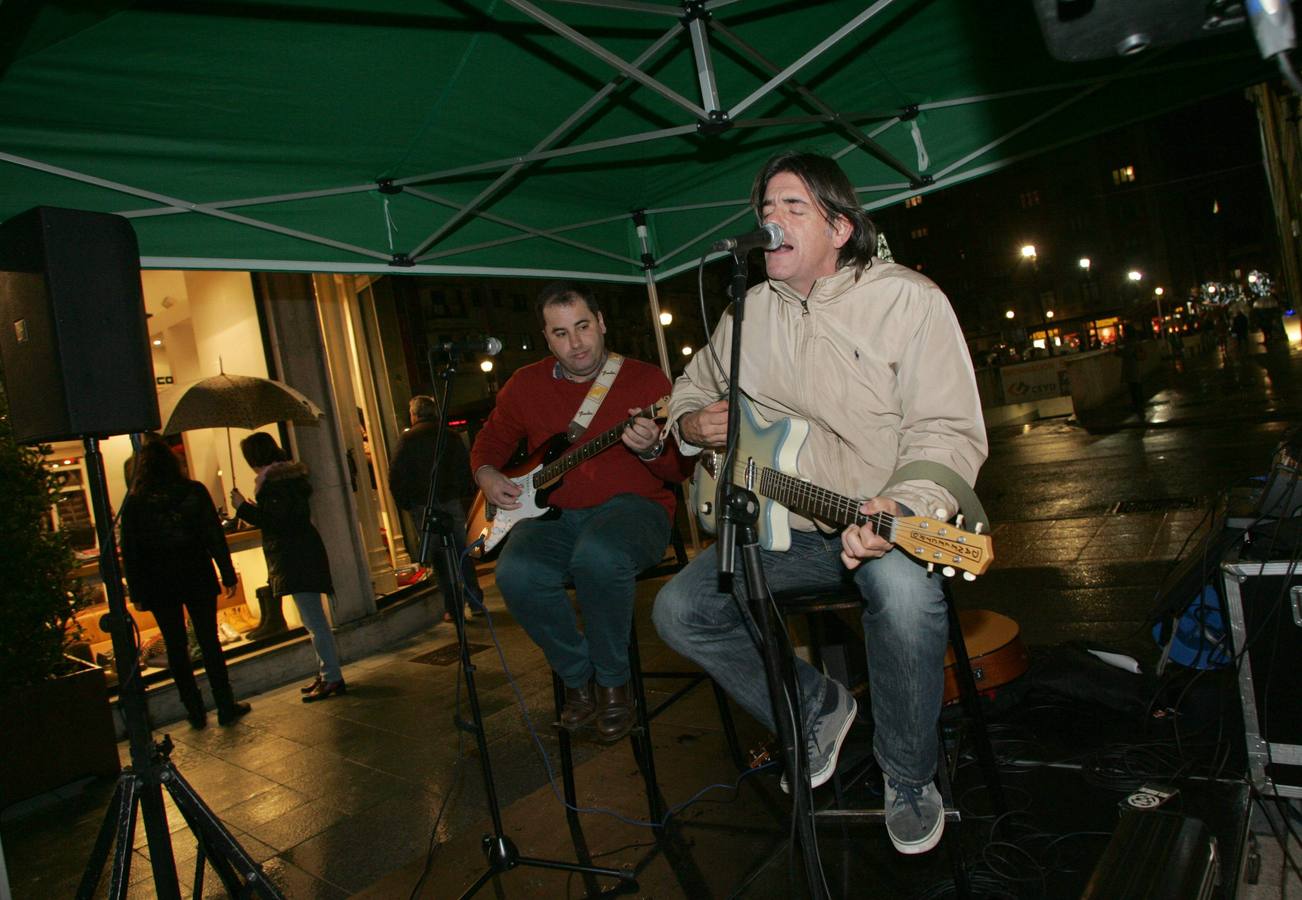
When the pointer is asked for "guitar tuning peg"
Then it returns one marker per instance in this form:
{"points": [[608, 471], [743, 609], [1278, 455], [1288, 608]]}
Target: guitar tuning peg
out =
{"points": [[948, 571], [942, 514], [968, 576], [980, 527], [931, 567], [958, 520]]}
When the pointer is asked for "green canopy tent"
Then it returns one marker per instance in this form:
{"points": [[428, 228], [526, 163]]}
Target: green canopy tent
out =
{"points": [[527, 137]]}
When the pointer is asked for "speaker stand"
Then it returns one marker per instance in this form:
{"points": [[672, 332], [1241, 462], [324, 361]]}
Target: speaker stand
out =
{"points": [[151, 769]]}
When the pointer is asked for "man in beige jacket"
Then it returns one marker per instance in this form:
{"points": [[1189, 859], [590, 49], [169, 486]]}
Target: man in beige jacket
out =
{"points": [[870, 354]]}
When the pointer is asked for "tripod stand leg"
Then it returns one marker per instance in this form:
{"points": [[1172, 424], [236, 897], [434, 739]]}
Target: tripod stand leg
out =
{"points": [[237, 870], [119, 821]]}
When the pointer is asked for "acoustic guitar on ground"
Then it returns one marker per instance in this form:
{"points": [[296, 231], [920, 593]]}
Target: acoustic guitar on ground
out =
{"points": [[994, 650], [538, 476], [766, 464]]}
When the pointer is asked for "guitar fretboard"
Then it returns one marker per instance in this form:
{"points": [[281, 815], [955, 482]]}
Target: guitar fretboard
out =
{"points": [[819, 503], [584, 452]]}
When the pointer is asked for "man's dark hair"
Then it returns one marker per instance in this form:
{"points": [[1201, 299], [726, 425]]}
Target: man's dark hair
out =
{"points": [[563, 293], [260, 449], [831, 189]]}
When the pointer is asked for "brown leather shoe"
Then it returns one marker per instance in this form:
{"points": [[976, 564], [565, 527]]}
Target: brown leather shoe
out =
{"points": [[579, 707], [325, 689], [614, 712]]}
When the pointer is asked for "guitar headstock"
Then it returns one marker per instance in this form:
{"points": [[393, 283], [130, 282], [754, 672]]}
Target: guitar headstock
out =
{"points": [[942, 544], [659, 409]]}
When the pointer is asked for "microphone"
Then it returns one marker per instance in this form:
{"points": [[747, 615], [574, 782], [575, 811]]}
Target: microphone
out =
{"points": [[768, 236], [490, 346]]}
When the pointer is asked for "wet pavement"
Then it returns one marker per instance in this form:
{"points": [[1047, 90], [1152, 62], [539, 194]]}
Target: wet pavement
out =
{"points": [[379, 794]]}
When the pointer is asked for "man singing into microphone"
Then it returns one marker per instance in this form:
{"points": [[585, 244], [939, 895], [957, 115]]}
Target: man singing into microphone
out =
{"points": [[615, 507], [870, 354]]}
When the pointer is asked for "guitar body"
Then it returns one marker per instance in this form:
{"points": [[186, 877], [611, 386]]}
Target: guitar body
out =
{"points": [[994, 648], [775, 446], [489, 522]]}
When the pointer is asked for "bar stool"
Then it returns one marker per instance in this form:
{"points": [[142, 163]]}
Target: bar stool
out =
{"points": [[640, 735], [816, 606]]}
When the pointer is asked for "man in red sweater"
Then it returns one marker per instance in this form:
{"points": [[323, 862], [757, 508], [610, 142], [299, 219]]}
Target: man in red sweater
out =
{"points": [[615, 507]]}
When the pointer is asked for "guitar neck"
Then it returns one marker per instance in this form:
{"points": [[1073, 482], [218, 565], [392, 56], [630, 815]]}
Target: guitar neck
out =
{"points": [[820, 503], [557, 468]]}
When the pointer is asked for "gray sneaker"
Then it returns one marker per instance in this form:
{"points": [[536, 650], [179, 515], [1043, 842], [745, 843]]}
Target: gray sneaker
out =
{"points": [[915, 817], [823, 745]]}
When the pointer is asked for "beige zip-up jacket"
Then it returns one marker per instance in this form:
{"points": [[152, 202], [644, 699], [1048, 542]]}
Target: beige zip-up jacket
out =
{"points": [[877, 366]]}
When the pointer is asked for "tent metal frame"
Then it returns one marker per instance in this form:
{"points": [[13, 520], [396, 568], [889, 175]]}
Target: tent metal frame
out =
{"points": [[696, 20]]}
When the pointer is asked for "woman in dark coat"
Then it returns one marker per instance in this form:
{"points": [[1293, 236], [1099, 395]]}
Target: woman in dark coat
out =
{"points": [[171, 537], [296, 557]]}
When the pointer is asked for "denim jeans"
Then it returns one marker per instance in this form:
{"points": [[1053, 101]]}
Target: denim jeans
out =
{"points": [[905, 626], [312, 611], [600, 551]]}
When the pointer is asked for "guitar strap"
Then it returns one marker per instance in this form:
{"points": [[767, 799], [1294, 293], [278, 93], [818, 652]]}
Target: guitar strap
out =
{"points": [[596, 394], [943, 475]]}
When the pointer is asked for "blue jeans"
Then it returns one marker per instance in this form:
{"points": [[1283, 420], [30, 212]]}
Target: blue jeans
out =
{"points": [[600, 551], [905, 624], [312, 611]]}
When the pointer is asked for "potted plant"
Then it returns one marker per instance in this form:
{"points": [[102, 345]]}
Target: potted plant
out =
{"points": [[55, 722]]}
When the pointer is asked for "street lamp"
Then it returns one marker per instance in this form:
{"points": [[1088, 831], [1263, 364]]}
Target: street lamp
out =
{"points": [[1161, 320], [666, 318], [1009, 314], [1029, 252], [1135, 275], [1084, 263]]}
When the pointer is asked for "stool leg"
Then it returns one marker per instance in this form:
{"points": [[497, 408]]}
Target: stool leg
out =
{"points": [[972, 706], [563, 736], [641, 735], [953, 836], [729, 727]]}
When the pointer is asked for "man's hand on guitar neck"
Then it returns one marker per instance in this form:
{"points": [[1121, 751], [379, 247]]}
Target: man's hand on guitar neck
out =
{"points": [[706, 427], [641, 435], [860, 542], [499, 490]]}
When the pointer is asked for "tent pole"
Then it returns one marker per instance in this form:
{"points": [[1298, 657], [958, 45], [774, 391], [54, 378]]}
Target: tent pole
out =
{"points": [[653, 303]]}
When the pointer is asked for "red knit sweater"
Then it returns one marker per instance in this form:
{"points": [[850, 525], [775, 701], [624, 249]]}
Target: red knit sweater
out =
{"points": [[535, 405]]}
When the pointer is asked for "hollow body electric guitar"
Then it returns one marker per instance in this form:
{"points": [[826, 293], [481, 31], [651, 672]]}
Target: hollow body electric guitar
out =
{"points": [[538, 476], [766, 465]]}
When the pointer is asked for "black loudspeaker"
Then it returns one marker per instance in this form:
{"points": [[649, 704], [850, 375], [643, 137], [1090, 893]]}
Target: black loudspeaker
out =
{"points": [[74, 345], [1076, 30]]}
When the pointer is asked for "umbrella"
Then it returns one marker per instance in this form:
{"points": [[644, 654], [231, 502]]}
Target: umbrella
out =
{"points": [[237, 401]]}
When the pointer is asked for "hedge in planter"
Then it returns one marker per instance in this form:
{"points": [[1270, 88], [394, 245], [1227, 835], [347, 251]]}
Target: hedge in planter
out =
{"points": [[38, 597]]}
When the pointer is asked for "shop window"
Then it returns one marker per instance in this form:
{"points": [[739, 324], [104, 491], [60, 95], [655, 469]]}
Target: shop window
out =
{"points": [[913, 201], [1123, 175], [918, 233]]}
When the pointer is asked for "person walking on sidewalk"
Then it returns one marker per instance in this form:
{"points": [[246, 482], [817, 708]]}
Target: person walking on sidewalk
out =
{"points": [[870, 354], [171, 536], [296, 557], [409, 475]]}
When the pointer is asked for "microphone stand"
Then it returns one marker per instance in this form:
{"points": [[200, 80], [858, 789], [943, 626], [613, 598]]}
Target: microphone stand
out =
{"points": [[738, 513], [438, 530]]}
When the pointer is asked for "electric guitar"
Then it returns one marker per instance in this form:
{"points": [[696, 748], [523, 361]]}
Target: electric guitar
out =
{"points": [[538, 476], [766, 465]]}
